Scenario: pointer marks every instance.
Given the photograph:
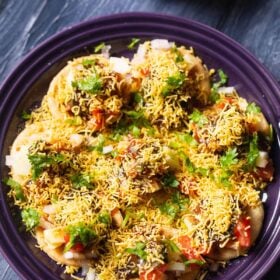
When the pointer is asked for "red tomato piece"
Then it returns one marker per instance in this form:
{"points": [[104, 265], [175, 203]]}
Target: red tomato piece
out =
{"points": [[155, 274], [242, 231], [66, 238], [78, 247], [99, 119], [189, 252], [266, 173]]}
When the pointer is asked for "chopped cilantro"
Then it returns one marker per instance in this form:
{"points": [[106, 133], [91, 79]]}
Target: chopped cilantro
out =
{"points": [[30, 217], [79, 233], [81, 180], [41, 161], [74, 121], [172, 83], [179, 57], [171, 246], [197, 117], [25, 116], [214, 95], [99, 47], [252, 108], [186, 137], [190, 166], [104, 218], [100, 144], [138, 250], [254, 152], [193, 261], [133, 43], [137, 98], [90, 84], [16, 187], [229, 158], [169, 180], [169, 209], [193, 169], [135, 131], [224, 178], [86, 62], [180, 200], [134, 114]]}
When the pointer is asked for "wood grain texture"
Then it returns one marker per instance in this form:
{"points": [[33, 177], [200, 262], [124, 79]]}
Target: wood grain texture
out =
{"points": [[25, 23]]}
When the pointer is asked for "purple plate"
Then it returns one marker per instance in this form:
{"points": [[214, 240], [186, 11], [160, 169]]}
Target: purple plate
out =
{"points": [[27, 84]]}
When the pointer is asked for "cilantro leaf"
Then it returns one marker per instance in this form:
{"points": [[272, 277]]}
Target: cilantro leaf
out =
{"points": [[224, 178], [133, 43], [138, 250], [137, 98], [104, 218], [90, 84], [186, 137], [169, 209], [180, 200], [171, 246], [193, 261], [41, 161], [169, 180], [229, 158], [81, 180], [252, 108], [86, 62], [172, 83], [254, 152], [197, 117], [16, 188], [100, 144], [214, 95], [79, 233], [179, 57], [134, 114], [30, 217], [75, 121], [99, 47], [25, 116]]}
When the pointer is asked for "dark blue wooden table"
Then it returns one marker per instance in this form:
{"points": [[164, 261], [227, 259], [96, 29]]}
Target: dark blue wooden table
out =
{"points": [[25, 23]]}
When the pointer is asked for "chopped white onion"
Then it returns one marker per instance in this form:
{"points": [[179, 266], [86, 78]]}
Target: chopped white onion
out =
{"points": [[120, 65], [106, 51], [176, 266], [107, 149], [264, 197], [262, 159], [9, 160], [76, 140], [226, 90], [160, 44], [91, 275], [49, 209], [68, 255]]}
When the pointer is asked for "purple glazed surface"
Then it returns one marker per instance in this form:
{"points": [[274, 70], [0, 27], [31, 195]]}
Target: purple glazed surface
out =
{"points": [[29, 81]]}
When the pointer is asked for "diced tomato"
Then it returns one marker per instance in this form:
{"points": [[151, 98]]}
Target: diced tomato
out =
{"points": [[223, 103], [99, 119], [265, 173], [188, 251], [155, 274], [78, 247], [242, 231], [66, 238]]}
